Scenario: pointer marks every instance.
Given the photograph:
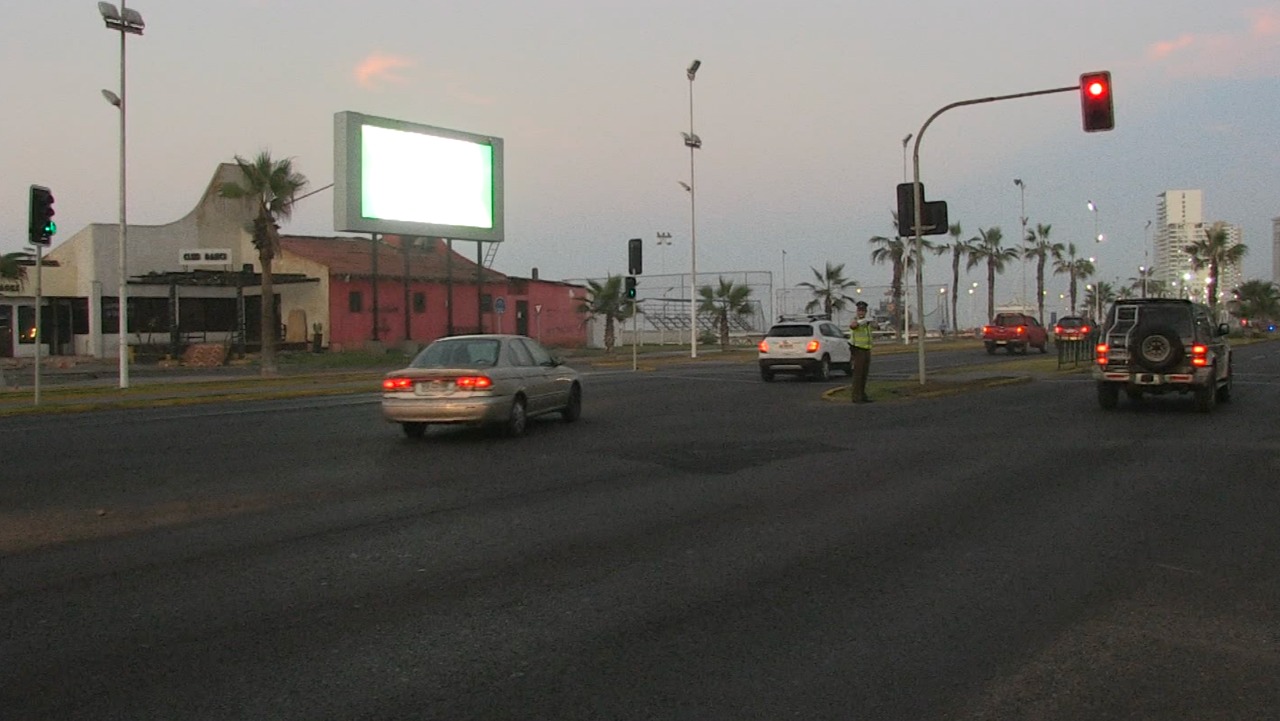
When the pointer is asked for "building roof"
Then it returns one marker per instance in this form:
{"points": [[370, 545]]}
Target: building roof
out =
{"points": [[348, 255]]}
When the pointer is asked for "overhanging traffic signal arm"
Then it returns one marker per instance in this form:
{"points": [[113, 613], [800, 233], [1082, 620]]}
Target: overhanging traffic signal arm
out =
{"points": [[1097, 111], [635, 249], [40, 225]]}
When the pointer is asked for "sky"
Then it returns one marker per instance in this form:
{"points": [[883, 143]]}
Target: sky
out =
{"points": [[801, 106]]}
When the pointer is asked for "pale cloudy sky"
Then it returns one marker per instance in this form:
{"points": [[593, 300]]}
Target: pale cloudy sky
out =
{"points": [[801, 106]]}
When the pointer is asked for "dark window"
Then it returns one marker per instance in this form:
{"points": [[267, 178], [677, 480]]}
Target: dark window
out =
{"points": [[26, 324], [355, 302], [80, 316], [486, 303], [206, 314], [419, 302], [148, 315]]}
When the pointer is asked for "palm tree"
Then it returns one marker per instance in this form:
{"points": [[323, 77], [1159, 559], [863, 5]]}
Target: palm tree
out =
{"points": [[828, 290], [607, 299], [900, 253], [1039, 246], [272, 186], [13, 266], [1076, 269], [989, 251], [959, 250], [1214, 252], [1098, 296], [727, 300], [1257, 301]]}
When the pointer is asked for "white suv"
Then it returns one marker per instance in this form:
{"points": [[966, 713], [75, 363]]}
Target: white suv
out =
{"points": [[810, 346]]}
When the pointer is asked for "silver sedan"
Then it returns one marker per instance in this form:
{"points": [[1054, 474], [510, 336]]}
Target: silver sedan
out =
{"points": [[481, 380]]}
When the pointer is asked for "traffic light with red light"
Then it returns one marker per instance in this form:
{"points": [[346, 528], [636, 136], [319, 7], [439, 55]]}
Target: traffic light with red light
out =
{"points": [[40, 225], [1096, 108]]}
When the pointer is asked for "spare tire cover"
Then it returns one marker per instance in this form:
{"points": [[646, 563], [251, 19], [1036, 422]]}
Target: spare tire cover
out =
{"points": [[1157, 348]]}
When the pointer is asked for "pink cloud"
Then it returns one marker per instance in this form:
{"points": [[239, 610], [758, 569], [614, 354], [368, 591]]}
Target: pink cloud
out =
{"points": [[1251, 51], [379, 69]]}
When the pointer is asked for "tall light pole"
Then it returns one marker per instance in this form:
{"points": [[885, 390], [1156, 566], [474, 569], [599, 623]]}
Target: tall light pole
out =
{"points": [[905, 140], [693, 142], [1022, 195], [127, 21], [1097, 237], [1146, 260], [664, 240]]}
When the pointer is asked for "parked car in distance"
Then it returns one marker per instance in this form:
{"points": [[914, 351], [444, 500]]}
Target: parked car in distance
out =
{"points": [[1163, 345], [1015, 331], [809, 346], [491, 379], [1073, 328]]}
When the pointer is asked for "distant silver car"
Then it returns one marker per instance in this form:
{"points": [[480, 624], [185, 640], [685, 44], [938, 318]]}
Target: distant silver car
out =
{"points": [[487, 379]]}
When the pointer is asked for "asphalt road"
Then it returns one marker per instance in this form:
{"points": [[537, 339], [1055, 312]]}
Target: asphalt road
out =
{"points": [[701, 545]]}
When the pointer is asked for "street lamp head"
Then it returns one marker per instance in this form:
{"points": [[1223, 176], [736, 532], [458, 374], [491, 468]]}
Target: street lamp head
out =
{"points": [[111, 97], [1018, 182], [126, 20], [685, 185], [692, 140], [693, 69], [1092, 207], [907, 139]]}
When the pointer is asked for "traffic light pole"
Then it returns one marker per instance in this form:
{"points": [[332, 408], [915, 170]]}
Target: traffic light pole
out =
{"points": [[918, 194]]}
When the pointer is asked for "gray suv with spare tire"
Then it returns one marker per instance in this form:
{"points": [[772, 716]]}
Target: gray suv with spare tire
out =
{"points": [[1152, 346]]}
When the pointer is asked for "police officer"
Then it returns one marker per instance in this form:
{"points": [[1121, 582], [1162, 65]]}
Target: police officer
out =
{"points": [[860, 352]]}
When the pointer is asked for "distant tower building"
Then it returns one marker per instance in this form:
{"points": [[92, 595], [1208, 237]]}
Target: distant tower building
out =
{"points": [[1179, 222], [1232, 275], [1275, 250]]}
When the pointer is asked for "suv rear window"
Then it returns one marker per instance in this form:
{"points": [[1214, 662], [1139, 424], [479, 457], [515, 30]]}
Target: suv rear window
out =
{"points": [[1176, 317], [791, 331]]}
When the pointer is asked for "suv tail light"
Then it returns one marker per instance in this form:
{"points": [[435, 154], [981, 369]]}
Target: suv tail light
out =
{"points": [[813, 346], [1100, 353], [763, 346], [1199, 355]]}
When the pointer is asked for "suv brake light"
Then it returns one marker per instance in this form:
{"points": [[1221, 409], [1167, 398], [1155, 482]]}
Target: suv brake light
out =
{"points": [[1100, 353], [1199, 355], [763, 346], [813, 346]]}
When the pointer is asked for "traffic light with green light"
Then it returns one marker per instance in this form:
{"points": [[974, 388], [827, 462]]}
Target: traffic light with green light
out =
{"points": [[1096, 107], [631, 287], [40, 225]]}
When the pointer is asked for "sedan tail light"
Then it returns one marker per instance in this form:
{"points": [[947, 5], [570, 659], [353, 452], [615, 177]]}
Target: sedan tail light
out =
{"points": [[763, 346], [812, 347], [397, 384], [474, 383], [1057, 330]]}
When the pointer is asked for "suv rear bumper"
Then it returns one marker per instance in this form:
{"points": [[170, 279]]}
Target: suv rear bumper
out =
{"points": [[1154, 381], [794, 365]]}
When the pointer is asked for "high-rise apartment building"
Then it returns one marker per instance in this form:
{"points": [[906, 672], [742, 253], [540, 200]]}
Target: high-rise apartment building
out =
{"points": [[1179, 223], [1275, 250]]}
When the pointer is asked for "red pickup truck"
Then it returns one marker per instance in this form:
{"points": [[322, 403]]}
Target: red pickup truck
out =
{"points": [[1015, 331]]}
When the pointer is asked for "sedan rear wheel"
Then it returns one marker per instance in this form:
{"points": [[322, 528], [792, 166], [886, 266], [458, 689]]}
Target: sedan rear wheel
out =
{"points": [[517, 419], [823, 371]]}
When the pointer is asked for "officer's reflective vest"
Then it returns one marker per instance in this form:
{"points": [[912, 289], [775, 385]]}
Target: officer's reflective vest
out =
{"points": [[860, 337]]}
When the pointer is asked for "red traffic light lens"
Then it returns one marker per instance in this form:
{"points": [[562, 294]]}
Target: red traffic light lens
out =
{"points": [[1096, 88]]}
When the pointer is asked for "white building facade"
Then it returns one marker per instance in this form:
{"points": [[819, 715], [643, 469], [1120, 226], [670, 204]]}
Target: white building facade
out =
{"points": [[1179, 223]]}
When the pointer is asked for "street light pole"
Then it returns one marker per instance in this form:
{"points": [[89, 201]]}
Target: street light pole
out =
{"points": [[693, 142], [1022, 194], [1097, 237], [664, 240], [127, 21]]}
